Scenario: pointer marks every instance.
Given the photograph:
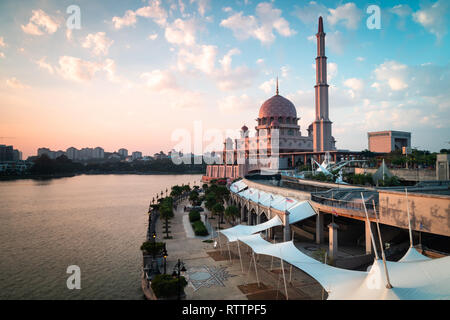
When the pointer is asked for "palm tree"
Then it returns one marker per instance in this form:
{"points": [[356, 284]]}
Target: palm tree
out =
{"points": [[218, 209], [231, 213], [166, 212]]}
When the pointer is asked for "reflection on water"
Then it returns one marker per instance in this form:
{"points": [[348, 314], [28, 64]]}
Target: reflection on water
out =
{"points": [[96, 222]]}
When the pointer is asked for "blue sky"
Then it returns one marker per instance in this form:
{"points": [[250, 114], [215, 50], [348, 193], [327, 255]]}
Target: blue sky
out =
{"points": [[137, 71]]}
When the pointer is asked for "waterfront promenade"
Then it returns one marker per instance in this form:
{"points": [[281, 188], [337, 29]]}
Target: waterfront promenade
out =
{"points": [[211, 275]]}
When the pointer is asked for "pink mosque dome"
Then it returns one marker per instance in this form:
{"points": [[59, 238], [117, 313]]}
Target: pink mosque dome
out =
{"points": [[277, 106]]}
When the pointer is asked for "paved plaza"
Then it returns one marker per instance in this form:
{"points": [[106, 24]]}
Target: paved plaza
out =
{"points": [[212, 276]]}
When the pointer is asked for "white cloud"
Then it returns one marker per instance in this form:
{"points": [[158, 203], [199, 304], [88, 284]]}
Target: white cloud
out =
{"points": [[260, 27], [41, 23], [153, 36], [15, 84], [159, 80], [153, 11], [393, 74], [310, 13], [201, 58], [79, 70], [232, 104], [98, 42], [181, 32], [285, 71], [203, 6], [44, 65], [2, 55], [129, 19], [354, 84], [2, 42], [269, 86], [360, 59], [226, 60], [332, 70], [433, 18], [69, 34], [348, 13], [402, 10], [336, 42]]}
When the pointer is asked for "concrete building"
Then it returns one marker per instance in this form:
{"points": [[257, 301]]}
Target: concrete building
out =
{"points": [[98, 153], [123, 153], [6, 153], [46, 151], [388, 141], [17, 155], [86, 153], [136, 155], [73, 153], [442, 167]]}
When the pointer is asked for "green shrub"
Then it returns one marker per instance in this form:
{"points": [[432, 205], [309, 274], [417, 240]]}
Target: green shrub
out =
{"points": [[194, 215], [166, 286], [153, 248], [199, 228]]}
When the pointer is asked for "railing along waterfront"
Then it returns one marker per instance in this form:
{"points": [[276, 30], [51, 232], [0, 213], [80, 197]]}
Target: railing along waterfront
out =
{"points": [[323, 198]]}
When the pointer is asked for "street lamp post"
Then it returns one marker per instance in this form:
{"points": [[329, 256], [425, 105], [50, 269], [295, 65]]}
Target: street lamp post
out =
{"points": [[178, 268], [165, 257]]}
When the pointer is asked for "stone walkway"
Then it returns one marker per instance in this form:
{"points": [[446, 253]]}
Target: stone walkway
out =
{"points": [[211, 275]]}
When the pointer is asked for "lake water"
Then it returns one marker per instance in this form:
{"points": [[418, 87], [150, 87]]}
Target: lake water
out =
{"points": [[96, 222]]}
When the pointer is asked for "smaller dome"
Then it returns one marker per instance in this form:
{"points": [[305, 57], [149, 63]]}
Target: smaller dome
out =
{"points": [[244, 128]]}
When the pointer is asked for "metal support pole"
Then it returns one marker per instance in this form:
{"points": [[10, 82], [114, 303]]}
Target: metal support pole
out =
{"points": [[284, 279], [240, 258], [256, 268], [388, 285]]}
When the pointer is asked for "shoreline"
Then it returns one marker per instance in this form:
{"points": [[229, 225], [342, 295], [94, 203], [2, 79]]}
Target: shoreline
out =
{"points": [[71, 175]]}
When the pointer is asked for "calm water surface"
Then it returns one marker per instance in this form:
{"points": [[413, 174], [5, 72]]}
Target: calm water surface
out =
{"points": [[97, 222]]}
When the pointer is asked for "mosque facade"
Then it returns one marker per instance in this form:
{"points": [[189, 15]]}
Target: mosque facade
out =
{"points": [[278, 131]]}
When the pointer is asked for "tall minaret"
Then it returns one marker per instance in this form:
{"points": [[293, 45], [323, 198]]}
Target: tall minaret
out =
{"points": [[322, 125]]}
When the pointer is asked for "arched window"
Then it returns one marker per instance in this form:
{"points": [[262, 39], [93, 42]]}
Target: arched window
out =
{"points": [[263, 120], [280, 119]]}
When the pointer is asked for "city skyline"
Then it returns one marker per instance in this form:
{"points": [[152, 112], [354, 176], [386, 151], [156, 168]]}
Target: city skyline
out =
{"points": [[137, 71]]}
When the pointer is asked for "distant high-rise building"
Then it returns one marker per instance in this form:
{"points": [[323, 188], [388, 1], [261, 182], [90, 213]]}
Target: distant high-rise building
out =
{"points": [[99, 153], [6, 153], [73, 153], [86, 153], [59, 153], [49, 153], [123, 153], [17, 155], [137, 155]]}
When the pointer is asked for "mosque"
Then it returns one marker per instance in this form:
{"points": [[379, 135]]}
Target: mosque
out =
{"points": [[278, 133]]}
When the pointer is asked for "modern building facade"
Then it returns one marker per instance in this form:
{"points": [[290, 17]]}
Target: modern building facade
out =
{"points": [[388, 141]]}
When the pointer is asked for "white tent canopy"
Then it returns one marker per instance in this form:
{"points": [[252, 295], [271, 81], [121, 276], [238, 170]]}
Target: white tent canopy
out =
{"points": [[240, 230], [329, 277], [426, 279], [300, 211], [238, 186]]}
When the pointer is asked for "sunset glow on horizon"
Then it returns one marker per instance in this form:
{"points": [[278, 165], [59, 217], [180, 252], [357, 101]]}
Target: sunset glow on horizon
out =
{"points": [[137, 71]]}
